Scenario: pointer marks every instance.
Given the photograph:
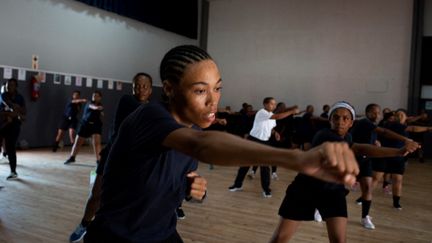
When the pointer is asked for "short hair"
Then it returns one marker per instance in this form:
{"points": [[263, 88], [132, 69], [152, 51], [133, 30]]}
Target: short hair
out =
{"points": [[370, 107], [135, 78], [76, 91], [176, 60], [267, 100], [98, 92]]}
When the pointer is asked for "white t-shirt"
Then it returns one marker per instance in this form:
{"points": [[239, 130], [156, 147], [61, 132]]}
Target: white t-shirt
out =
{"points": [[262, 125]]}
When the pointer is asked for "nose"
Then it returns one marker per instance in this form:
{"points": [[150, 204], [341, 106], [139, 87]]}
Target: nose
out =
{"points": [[213, 98]]}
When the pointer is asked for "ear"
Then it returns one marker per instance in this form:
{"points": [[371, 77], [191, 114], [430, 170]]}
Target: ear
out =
{"points": [[168, 89]]}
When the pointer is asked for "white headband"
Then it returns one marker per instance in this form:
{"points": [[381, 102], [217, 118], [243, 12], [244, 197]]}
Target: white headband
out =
{"points": [[343, 104]]}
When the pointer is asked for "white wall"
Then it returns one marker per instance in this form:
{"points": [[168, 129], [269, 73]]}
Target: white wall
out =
{"points": [[73, 37], [312, 52]]}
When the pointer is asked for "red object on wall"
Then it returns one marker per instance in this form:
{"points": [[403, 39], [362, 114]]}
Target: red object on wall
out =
{"points": [[35, 88]]}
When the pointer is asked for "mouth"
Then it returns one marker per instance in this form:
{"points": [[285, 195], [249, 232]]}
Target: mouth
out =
{"points": [[210, 117]]}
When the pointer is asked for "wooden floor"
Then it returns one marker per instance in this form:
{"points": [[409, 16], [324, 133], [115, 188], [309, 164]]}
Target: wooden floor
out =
{"points": [[46, 204]]}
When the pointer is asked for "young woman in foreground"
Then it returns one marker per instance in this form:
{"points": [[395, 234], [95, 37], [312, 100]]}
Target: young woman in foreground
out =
{"points": [[147, 174]]}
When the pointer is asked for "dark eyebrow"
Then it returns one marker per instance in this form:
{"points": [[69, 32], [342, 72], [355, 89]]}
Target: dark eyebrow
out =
{"points": [[204, 83]]}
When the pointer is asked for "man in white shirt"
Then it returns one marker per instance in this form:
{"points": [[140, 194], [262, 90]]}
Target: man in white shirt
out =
{"points": [[261, 132]]}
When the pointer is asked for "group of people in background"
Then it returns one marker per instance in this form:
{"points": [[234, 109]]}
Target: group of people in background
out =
{"points": [[149, 165]]}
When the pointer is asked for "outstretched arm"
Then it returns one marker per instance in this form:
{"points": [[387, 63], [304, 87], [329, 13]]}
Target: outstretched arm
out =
{"points": [[288, 112], [331, 161], [380, 152], [418, 129], [394, 136]]}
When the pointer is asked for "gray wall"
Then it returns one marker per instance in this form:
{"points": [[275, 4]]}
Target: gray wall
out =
{"points": [[70, 37], [312, 52], [73, 37]]}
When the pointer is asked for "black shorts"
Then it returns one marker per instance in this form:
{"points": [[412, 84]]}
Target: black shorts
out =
{"points": [[87, 129], [365, 166], [396, 165], [302, 198], [379, 165], [68, 122]]}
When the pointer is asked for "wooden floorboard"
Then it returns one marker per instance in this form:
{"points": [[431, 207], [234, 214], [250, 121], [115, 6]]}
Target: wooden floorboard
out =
{"points": [[46, 203]]}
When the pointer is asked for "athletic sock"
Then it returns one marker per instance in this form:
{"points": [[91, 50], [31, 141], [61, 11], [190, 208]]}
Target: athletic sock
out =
{"points": [[396, 202], [365, 207]]}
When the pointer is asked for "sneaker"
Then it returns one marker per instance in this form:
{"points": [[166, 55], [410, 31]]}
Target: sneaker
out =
{"points": [[13, 175], [78, 234], [251, 175], [4, 159], [234, 188], [359, 201], [275, 176], [180, 213], [387, 190], [267, 194], [70, 160], [397, 206], [367, 222], [355, 187], [317, 216]]}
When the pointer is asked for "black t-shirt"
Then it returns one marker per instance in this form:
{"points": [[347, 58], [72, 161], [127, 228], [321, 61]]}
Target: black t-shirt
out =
{"points": [[397, 128], [143, 181], [363, 131], [324, 135], [7, 101]]}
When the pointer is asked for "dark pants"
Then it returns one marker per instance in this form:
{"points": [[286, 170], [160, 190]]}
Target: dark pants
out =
{"points": [[265, 172], [273, 169], [10, 134]]}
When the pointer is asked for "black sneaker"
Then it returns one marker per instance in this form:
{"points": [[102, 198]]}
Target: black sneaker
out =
{"points": [[70, 160], [359, 201], [235, 188], [13, 175], [180, 213], [397, 206], [267, 194]]}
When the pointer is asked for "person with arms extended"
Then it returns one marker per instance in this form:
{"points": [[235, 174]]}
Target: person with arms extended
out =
{"points": [[69, 119], [148, 170]]}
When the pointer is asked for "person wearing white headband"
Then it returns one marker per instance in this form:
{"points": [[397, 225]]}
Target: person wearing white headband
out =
{"points": [[305, 194]]}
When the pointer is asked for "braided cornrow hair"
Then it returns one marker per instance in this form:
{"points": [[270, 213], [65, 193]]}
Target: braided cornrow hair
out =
{"points": [[177, 59]]}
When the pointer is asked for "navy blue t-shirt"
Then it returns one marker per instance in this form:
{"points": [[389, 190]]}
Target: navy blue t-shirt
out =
{"points": [[10, 100], [126, 105], [90, 115], [71, 111], [143, 182], [324, 135], [363, 131]]}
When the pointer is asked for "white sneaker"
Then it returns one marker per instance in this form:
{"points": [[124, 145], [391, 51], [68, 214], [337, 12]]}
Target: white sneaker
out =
{"points": [[317, 216], [367, 222], [275, 176], [3, 159]]}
